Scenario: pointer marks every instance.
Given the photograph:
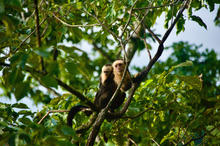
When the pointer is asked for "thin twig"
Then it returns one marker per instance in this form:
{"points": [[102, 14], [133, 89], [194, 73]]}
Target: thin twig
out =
{"points": [[131, 140], [69, 25], [194, 139], [146, 12], [29, 36], [155, 142], [145, 44], [52, 111], [129, 19], [139, 114], [77, 94], [102, 52], [104, 26], [149, 30]]}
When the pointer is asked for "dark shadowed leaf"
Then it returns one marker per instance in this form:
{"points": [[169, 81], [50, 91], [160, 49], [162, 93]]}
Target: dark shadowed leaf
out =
{"points": [[199, 21], [20, 105]]}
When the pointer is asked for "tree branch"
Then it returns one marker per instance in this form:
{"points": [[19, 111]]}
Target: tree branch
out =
{"points": [[38, 32], [129, 19], [69, 25], [139, 114], [85, 127], [102, 52], [52, 111], [104, 26], [77, 94], [29, 36], [146, 12], [68, 88], [193, 139]]}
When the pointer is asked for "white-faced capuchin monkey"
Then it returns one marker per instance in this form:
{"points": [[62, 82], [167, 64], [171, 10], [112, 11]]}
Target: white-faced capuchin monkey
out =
{"points": [[106, 90], [118, 69]]}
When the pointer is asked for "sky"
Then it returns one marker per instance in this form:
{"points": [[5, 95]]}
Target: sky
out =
{"points": [[193, 33]]}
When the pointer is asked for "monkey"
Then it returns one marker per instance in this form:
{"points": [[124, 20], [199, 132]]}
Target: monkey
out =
{"points": [[118, 69], [106, 90]]}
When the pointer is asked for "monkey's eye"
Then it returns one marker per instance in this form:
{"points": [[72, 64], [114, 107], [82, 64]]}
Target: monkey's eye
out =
{"points": [[118, 65], [106, 72]]}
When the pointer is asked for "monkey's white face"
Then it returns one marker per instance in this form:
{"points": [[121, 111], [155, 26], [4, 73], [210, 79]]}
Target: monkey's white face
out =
{"points": [[119, 66], [106, 70]]}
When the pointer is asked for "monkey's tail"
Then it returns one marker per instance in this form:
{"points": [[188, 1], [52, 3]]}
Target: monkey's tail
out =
{"points": [[73, 111]]}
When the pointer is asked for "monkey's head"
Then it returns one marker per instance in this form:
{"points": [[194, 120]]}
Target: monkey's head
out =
{"points": [[118, 67], [106, 72]]}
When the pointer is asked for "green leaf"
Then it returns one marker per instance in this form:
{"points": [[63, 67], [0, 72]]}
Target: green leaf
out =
{"points": [[25, 137], [2, 7], [147, 83], [25, 121], [21, 90], [49, 81], [11, 140], [194, 81], [43, 52], [53, 68], [25, 112], [20, 105], [71, 67], [68, 131], [184, 64], [199, 21], [180, 25]]}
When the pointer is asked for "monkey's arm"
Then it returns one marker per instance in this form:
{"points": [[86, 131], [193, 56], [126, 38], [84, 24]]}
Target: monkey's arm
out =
{"points": [[73, 111]]}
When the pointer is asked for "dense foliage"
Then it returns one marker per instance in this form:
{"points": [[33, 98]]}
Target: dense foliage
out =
{"points": [[42, 58]]}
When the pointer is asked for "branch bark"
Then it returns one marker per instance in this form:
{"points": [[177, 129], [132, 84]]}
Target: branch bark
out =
{"points": [[69, 25], [38, 32], [52, 111]]}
